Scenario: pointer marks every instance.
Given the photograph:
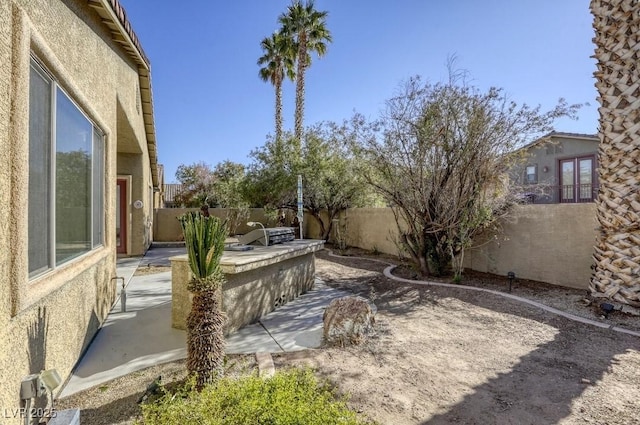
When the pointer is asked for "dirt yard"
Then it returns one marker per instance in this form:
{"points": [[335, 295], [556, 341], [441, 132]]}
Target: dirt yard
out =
{"points": [[443, 356]]}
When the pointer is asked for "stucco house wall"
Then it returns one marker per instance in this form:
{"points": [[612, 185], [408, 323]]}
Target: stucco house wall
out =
{"points": [[47, 321], [545, 155]]}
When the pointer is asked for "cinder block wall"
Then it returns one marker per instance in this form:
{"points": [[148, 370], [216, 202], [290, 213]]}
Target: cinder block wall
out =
{"points": [[167, 227], [550, 243]]}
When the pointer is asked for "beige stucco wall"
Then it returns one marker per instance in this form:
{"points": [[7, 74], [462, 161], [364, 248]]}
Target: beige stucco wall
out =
{"points": [[167, 227], [366, 228], [47, 322], [550, 243], [6, 87]]}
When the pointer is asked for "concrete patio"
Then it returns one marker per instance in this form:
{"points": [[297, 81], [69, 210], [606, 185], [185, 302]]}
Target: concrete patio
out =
{"points": [[142, 336]]}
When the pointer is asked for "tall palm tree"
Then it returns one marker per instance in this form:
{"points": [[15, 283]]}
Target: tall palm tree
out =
{"points": [[204, 238], [307, 28], [278, 62], [617, 251]]}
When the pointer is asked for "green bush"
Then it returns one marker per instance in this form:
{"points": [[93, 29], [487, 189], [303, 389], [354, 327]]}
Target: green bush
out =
{"points": [[289, 397]]}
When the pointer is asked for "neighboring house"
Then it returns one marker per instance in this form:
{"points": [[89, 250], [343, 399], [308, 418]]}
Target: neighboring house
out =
{"points": [[170, 192], [559, 168], [78, 177]]}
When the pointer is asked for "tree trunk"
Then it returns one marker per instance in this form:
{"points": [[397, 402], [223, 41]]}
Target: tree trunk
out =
{"points": [[299, 113], [279, 113], [324, 231], [418, 252], [424, 266], [205, 337], [617, 251], [332, 214]]}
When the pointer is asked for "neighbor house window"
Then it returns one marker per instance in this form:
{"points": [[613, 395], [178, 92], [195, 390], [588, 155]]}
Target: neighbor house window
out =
{"points": [[531, 176], [577, 179], [66, 176]]}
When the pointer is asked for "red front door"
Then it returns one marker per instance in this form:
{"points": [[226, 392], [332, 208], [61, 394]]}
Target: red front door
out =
{"points": [[121, 216]]}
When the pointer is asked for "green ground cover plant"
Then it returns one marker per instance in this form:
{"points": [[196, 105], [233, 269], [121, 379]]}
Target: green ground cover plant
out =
{"points": [[290, 397]]}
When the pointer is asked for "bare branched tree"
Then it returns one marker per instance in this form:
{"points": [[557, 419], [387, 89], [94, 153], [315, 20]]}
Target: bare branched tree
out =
{"points": [[440, 159]]}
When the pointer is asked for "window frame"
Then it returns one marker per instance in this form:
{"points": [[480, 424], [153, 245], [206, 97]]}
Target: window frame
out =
{"points": [[575, 183], [535, 174], [97, 223]]}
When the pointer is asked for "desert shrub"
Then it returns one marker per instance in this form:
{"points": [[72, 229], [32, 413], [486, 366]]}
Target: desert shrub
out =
{"points": [[289, 397]]}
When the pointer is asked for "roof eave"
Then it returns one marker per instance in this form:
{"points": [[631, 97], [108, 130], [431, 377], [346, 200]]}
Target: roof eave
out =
{"points": [[113, 16]]}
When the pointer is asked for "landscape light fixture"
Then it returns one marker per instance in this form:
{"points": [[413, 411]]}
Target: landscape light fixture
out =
{"points": [[606, 309], [511, 276], [254, 224]]}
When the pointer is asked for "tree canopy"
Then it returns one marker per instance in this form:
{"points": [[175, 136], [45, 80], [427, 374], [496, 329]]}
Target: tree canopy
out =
{"points": [[220, 187], [330, 180], [196, 184], [439, 159]]}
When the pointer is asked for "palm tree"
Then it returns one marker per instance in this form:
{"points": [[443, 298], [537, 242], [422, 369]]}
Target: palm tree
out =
{"points": [[204, 238], [617, 251], [278, 60], [307, 28]]}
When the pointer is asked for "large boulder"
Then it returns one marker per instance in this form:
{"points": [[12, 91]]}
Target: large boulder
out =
{"points": [[348, 320]]}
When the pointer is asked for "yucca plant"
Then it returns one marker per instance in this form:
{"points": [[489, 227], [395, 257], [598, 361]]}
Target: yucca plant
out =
{"points": [[204, 238]]}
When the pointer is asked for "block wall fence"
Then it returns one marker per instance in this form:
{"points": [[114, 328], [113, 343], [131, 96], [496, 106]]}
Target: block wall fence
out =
{"points": [[548, 243]]}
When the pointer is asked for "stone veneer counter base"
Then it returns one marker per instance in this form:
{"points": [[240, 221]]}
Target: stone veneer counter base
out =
{"points": [[257, 281]]}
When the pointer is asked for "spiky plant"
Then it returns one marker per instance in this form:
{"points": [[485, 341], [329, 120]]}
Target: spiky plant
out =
{"points": [[204, 238]]}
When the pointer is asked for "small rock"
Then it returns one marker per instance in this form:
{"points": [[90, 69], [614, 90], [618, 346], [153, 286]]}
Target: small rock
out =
{"points": [[585, 381], [348, 320]]}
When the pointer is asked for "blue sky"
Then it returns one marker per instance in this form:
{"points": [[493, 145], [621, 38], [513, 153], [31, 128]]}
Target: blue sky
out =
{"points": [[210, 104]]}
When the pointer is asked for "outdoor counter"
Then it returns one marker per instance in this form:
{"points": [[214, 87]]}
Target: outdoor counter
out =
{"points": [[257, 281]]}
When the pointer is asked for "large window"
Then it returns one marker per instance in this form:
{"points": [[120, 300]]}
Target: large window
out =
{"points": [[66, 177], [577, 179]]}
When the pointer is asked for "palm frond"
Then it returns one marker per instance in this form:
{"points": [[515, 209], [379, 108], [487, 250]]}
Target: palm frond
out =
{"points": [[204, 239]]}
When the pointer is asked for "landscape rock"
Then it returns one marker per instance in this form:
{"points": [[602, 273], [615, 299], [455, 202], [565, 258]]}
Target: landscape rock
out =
{"points": [[348, 320]]}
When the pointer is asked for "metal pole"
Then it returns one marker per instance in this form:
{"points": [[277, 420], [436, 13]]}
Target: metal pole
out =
{"points": [[300, 205]]}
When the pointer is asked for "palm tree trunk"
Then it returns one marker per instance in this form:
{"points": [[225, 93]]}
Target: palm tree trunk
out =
{"points": [[617, 250], [299, 104], [205, 337], [299, 114], [278, 111]]}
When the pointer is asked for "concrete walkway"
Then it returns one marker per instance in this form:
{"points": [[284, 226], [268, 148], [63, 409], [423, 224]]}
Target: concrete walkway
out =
{"points": [[142, 336]]}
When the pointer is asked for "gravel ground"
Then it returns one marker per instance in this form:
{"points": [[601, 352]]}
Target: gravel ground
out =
{"points": [[448, 355]]}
